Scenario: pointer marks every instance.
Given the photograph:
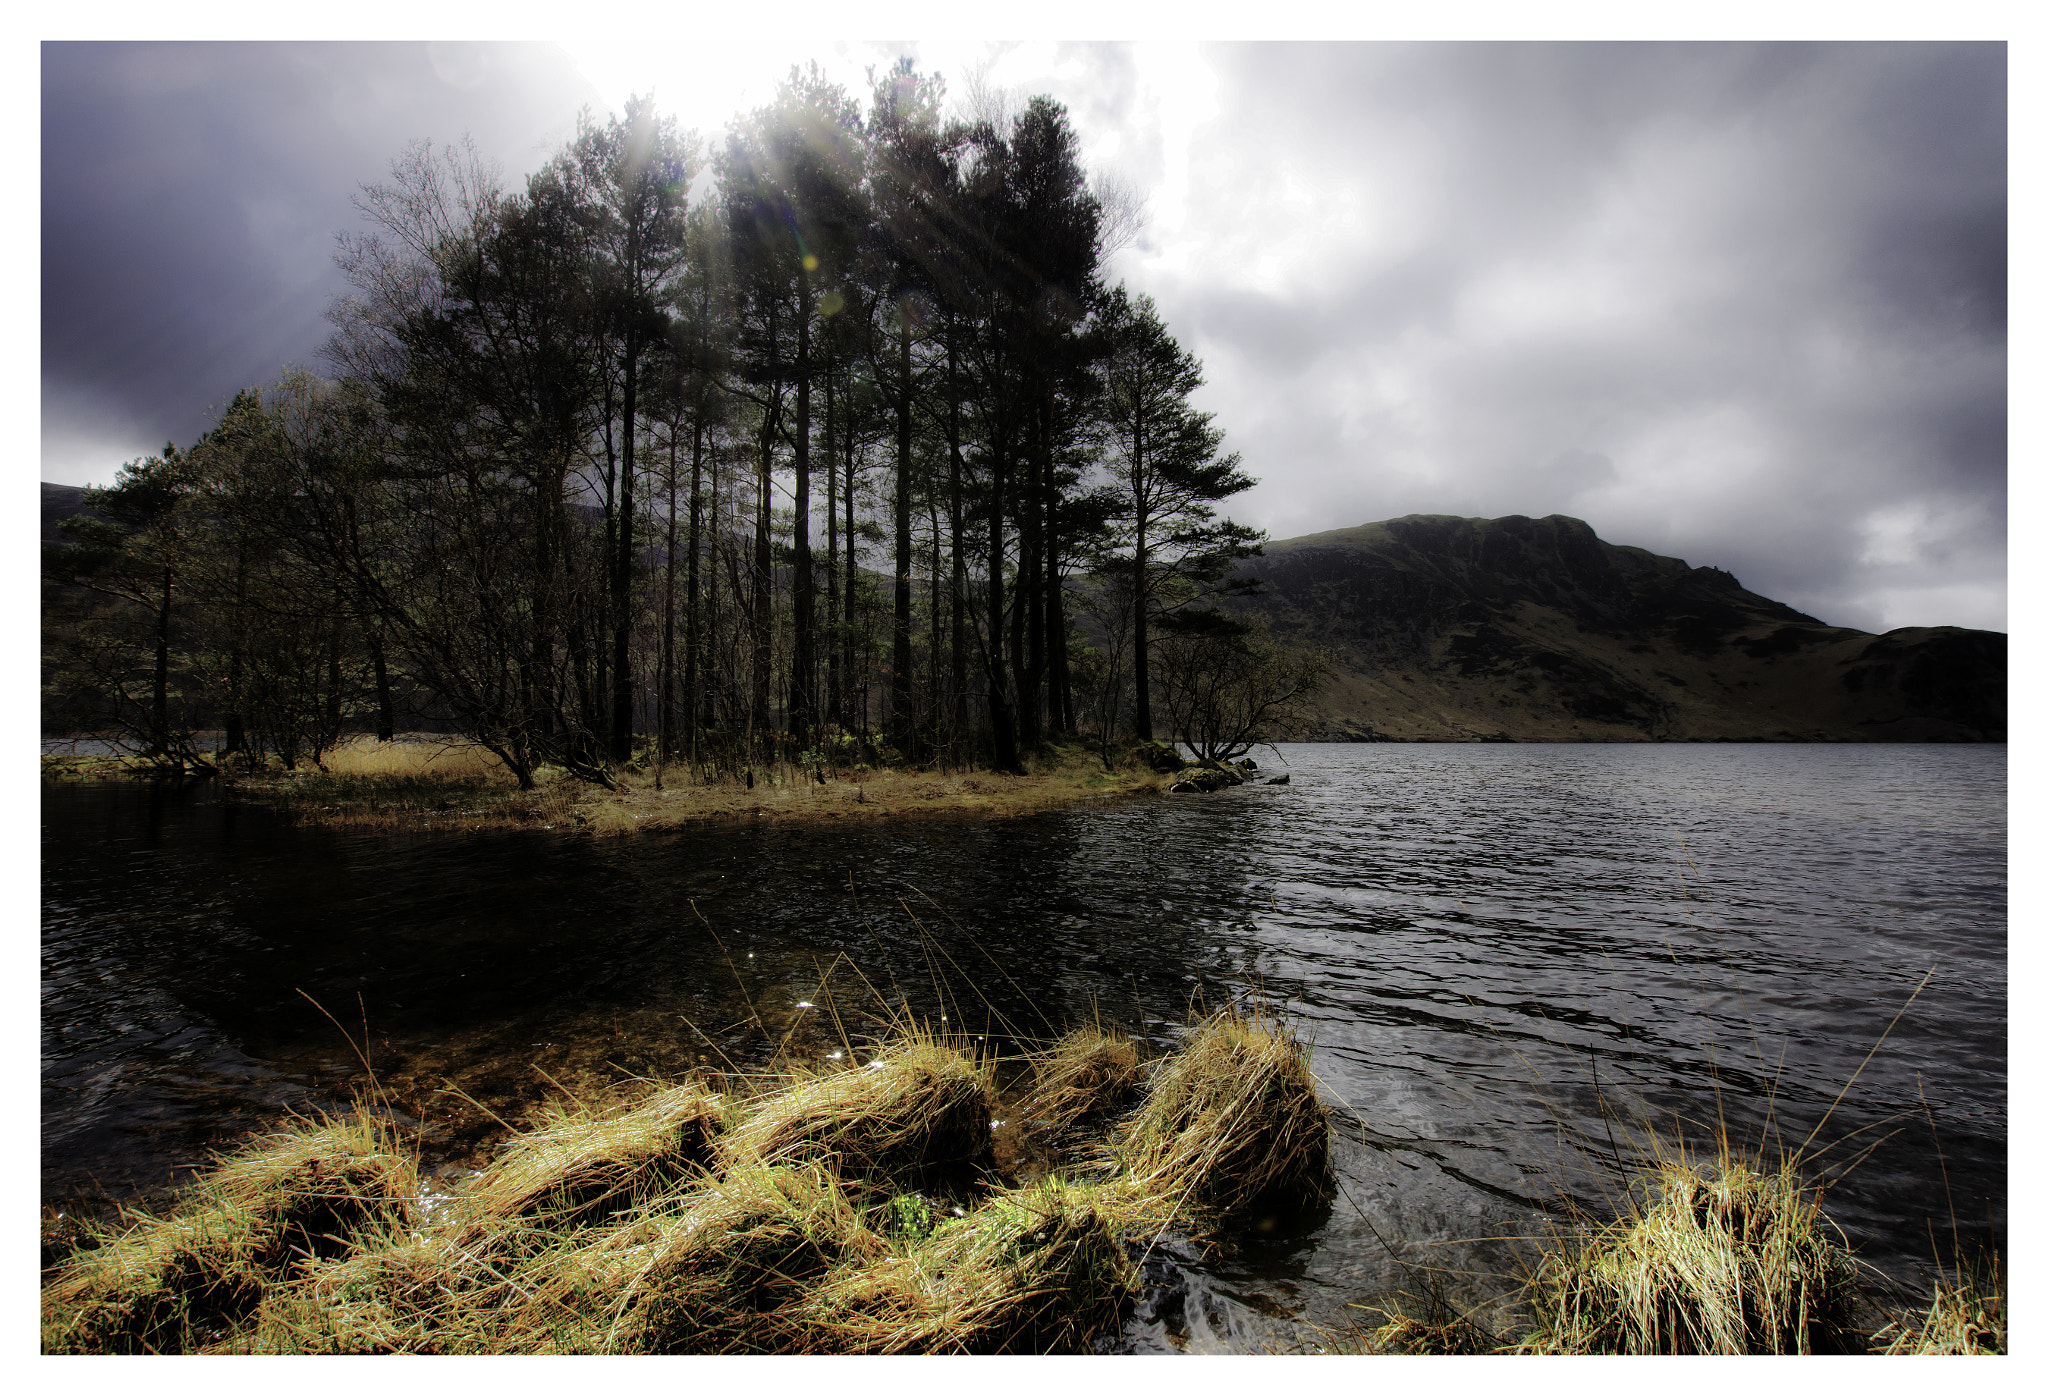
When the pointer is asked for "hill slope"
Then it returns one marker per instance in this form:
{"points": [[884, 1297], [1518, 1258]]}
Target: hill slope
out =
{"points": [[1523, 629]]}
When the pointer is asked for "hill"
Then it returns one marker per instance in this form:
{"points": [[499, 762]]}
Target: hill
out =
{"points": [[1519, 629]]}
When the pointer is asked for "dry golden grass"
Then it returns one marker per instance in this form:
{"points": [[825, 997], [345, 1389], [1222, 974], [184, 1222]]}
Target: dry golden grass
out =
{"points": [[1083, 1076], [1449, 1335], [917, 1107], [1734, 1257], [456, 786], [784, 1221], [578, 1165], [1966, 1319], [1230, 1125], [732, 1273], [426, 758], [1035, 1269], [162, 1284]]}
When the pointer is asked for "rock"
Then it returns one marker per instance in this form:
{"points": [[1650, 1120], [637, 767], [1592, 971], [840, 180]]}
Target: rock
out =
{"points": [[1162, 758], [1282, 779]]}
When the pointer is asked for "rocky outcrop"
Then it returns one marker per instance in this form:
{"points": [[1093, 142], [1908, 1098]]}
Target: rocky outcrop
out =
{"points": [[1204, 777]]}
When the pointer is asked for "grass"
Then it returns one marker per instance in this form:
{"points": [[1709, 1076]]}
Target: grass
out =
{"points": [[1230, 1127], [1083, 1077], [1966, 1319], [580, 1165], [1724, 1258], [838, 1211], [161, 1284], [916, 1108], [854, 1210], [450, 784]]}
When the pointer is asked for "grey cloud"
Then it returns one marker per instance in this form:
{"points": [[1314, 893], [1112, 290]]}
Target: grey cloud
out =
{"points": [[1743, 304], [191, 194], [1801, 252]]}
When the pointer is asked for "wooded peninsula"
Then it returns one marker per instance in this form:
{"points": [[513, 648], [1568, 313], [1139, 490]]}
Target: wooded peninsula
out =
{"points": [[828, 448]]}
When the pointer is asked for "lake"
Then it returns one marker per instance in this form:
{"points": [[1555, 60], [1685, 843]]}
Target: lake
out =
{"points": [[1509, 960]]}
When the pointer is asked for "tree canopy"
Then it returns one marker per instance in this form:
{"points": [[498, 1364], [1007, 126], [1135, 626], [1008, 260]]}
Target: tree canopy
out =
{"points": [[565, 486]]}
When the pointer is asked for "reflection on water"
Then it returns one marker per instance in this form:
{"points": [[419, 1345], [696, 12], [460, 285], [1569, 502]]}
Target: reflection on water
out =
{"points": [[1497, 950]]}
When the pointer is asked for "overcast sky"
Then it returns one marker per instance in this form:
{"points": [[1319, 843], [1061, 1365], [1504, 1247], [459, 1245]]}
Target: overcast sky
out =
{"points": [[1740, 305]]}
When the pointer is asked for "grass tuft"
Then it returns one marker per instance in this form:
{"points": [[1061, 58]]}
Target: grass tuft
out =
{"points": [[735, 1272], [1036, 1269], [1966, 1319], [581, 1166], [918, 1108], [1083, 1077], [164, 1284], [1734, 1258], [698, 1223], [1230, 1125]]}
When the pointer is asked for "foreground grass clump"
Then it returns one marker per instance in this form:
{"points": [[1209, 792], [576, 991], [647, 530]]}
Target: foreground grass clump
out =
{"points": [[1036, 1269], [1083, 1077], [1733, 1258], [580, 1165], [258, 1220], [732, 1273], [918, 1106], [1230, 1126], [845, 1211]]}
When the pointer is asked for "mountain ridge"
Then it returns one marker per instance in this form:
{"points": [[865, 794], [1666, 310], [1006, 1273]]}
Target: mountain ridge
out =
{"points": [[1442, 628]]}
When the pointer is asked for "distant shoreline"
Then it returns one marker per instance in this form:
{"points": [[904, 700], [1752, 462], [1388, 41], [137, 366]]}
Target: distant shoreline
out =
{"points": [[441, 784]]}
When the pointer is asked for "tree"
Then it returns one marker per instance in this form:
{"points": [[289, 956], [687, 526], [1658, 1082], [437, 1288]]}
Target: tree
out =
{"points": [[1166, 461], [1225, 688], [474, 331], [631, 180], [133, 546]]}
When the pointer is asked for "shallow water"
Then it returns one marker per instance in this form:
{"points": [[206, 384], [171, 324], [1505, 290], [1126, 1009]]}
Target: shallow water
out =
{"points": [[1507, 957]]}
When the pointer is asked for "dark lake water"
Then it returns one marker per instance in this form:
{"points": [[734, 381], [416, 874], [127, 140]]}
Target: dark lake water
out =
{"points": [[1508, 959]]}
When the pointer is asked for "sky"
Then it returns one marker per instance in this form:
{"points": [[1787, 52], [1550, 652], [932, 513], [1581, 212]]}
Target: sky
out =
{"points": [[1743, 305]]}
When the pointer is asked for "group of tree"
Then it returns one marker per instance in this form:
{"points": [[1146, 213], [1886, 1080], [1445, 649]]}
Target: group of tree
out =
{"points": [[565, 484]]}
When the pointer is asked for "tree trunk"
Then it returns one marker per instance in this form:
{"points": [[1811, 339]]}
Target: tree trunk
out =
{"points": [[959, 551], [834, 702], [665, 683], [160, 700], [803, 678], [902, 727], [622, 576], [1001, 716]]}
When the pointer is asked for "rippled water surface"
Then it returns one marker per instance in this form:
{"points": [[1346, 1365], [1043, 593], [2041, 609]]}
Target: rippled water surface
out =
{"points": [[1508, 958]]}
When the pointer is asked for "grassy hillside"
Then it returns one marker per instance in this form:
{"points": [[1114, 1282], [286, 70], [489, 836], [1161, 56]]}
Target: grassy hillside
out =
{"points": [[1523, 629]]}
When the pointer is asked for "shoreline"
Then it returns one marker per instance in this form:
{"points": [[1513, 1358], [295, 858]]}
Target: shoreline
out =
{"points": [[438, 785]]}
